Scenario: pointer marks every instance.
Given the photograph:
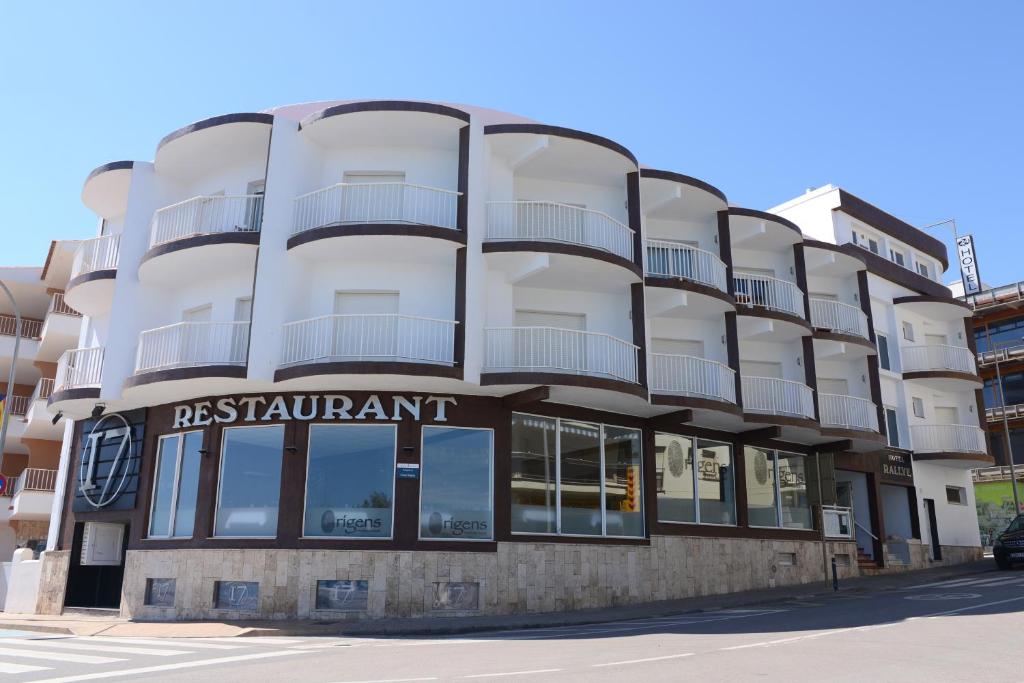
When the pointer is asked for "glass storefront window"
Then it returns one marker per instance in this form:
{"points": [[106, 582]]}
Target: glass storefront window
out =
{"points": [[796, 508], [695, 490], [456, 492], [762, 505], [673, 457], [716, 482], [249, 488], [623, 485], [580, 467], [534, 470], [175, 486], [350, 481]]}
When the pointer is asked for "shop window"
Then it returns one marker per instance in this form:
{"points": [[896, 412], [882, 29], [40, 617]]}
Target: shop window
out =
{"points": [[792, 478], [575, 478], [762, 506], [175, 486], [350, 481], [456, 484], [956, 495], [777, 489], [680, 475], [249, 487]]}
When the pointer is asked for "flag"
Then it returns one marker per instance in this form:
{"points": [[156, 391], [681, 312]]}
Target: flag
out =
{"points": [[3, 404]]}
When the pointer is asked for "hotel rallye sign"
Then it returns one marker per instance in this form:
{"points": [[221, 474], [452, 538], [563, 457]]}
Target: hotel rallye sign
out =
{"points": [[897, 469], [109, 451]]}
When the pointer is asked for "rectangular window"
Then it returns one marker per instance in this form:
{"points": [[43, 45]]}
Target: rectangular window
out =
{"points": [[175, 486], [680, 475], [249, 485], [796, 507], [873, 246], [575, 478], [350, 481], [922, 269], [762, 504], [918, 406], [673, 458], [456, 484], [956, 495], [777, 489], [883, 351], [892, 427], [897, 257], [908, 331]]}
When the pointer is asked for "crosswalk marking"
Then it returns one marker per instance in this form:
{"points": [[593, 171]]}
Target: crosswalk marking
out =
{"points": [[190, 643], [255, 640], [168, 667], [57, 656], [92, 646], [963, 583], [6, 668]]}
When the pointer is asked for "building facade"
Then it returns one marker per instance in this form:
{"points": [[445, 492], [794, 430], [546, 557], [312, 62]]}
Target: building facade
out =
{"points": [[363, 359]]}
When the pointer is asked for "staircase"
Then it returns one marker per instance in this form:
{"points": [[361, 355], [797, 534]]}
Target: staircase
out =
{"points": [[864, 561]]}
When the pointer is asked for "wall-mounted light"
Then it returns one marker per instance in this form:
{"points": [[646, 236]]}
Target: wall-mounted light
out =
{"points": [[723, 338], [791, 270], [799, 361], [716, 239], [98, 409], [970, 409]]}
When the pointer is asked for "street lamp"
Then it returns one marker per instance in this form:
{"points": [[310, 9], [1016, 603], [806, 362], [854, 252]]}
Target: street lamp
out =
{"points": [[10, 375]]}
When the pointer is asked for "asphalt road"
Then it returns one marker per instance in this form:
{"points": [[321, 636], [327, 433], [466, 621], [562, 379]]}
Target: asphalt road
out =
{"points": [[963, 629]]}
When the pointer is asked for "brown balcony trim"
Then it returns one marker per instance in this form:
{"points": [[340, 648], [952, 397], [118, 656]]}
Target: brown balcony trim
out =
{"points": [[562, 379]]}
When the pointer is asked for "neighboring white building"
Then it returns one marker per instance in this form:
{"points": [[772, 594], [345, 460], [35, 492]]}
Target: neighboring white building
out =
{"points": [[380, 358]]}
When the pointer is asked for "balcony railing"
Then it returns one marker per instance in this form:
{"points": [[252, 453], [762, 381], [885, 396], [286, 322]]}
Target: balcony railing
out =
{"points": [[768, 292], [947, 439], [17, 405], [777, 397], [674, 260], [79, 368], [355, 203], [99, 253], [193, 344], [8, 489], [1013, 412], [369, 337], [836, 316], [562, 223], [692, 376], [58, 306], [938, 357], [30, 329], [552, 349], [848, 412], [33, 479], [207, 216], [44, 387], [838, 521]]}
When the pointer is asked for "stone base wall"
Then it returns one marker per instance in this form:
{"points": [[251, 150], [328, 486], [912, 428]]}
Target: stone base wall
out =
{"points": [[53, 578], [918, 553], [30, 530], [518, 578]]}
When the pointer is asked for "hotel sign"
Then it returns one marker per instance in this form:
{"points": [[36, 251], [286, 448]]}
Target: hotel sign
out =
{"points": [[968, 265], [897, 469], [109, 450]]}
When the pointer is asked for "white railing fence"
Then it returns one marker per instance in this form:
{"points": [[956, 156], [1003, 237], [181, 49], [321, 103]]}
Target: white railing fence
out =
{"points": [[692, 376], [369, 337], [33, 479], [554, 222], [850, 412], [777, 397], [376, 203], [836, 316], [552, 349], [191, 344], [838, 521], [938, 357], [671, 259], [99, 253], [768, 292], [78, 368], [947, 439], [17, 405], [30, 329], [8, 489], [207, 216], [57, 305], [44, 387]]}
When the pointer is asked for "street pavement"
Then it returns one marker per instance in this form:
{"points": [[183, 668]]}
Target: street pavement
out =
{"points": [[964, 628]]}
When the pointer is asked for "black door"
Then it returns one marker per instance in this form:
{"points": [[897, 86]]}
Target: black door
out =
{"points": [[933, 529], [92, 586]]}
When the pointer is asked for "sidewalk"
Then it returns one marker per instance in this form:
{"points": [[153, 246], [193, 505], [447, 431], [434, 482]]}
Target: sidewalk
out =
{"points": [[87, 625]]}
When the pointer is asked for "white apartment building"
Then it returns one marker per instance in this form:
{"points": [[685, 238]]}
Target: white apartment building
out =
{"points": [[373, 358]]}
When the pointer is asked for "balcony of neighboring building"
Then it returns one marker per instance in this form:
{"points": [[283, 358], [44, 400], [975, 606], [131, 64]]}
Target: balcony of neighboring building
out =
{"points": [[38, 420], [94, 269], [955, 445], [76, 385], [30, 495], [60, 328], [28, 347], [942, 367]]}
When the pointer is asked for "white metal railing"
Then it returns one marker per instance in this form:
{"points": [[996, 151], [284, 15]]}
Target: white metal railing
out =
{"points": [[671, 259], [938, 357], [17, 405], [692, 376], [552, 349], [554, 222], [838, 521], [191, 344], [947, 439], [57, 305], [777, 397], [33, 479], [836, 316], [383, 336], [44, 387], [376, 203], [8, 489], [30, 329], [99, 253], [207, 216], [754, 289], [849, 412], [78, 368], [1013, 412]]}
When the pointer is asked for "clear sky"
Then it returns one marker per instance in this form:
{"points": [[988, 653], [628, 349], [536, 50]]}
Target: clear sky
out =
{"points": [[914, 106]]}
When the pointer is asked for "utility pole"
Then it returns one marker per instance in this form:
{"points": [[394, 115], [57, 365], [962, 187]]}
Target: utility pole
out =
{"points": [[11, 373]]}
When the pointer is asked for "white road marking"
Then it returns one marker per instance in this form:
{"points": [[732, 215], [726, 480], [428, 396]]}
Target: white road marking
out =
{"points": [[945, 584], [968, 608], [255, 640], [6, 668], [396, 680], [514, 673], [191, 643], [168, 667], [92, 647], [640, 661], [58, 656]]}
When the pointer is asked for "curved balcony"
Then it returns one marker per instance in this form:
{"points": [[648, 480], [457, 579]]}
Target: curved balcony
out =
{"points": [[680, 266], [368, 343], [77, 382], [32, 495], [769, 308], [689, 377], [839, 318], [227, 227], [551, 355], [91, 287], [848, 412], [190, 350], [772, 396], [950, 444], [940, 366]]}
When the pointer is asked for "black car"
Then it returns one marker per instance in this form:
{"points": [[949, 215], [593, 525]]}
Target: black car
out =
{"points": [[1008, 548]]}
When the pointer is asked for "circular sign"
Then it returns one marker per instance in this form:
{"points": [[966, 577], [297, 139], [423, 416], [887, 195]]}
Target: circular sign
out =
{"points": [[108, 492], [676, 459], [944, 596]]}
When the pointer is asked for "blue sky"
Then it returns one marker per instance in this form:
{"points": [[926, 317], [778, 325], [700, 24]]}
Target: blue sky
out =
{"points": [[916, 107]]}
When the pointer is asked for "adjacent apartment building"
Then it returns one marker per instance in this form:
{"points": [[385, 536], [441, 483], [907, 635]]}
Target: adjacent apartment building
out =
{"points": [[378, 358]]}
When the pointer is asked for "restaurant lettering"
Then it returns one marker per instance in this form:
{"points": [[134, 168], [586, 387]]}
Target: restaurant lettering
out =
{"points": [[310, 407]]}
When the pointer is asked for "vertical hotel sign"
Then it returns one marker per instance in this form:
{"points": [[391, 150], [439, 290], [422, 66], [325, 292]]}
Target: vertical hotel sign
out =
{"points": [[968, 265]]}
